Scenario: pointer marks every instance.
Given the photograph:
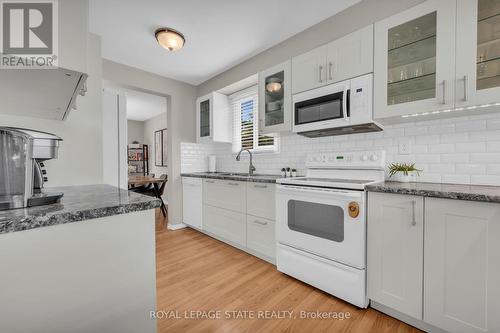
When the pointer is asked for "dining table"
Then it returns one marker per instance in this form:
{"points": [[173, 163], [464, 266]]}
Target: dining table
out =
{"points": [[137, 181]]}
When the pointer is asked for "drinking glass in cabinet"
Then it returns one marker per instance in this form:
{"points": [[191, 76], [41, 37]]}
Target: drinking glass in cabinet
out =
{"points": [[411, 60], [274, 94], [488, 44]]}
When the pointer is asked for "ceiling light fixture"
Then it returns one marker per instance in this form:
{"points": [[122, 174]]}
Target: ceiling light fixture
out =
{"points": [[170, 39]]}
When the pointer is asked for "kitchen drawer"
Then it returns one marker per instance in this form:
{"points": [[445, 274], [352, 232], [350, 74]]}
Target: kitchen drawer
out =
{"points": [[227, 194], [226, 224], [261, 236], [261, 200]]}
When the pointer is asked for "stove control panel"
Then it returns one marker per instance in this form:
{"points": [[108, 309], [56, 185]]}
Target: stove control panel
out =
{"points": [[346, 160]]}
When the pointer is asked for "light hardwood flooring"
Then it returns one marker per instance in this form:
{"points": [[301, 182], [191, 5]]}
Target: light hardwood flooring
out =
{"points": [[198, 273]]}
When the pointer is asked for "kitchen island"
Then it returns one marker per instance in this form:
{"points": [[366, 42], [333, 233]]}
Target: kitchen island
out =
{"points": [[86, 264]]}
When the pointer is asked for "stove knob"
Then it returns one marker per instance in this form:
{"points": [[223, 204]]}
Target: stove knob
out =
{"points": [[364, 158], [374, 157]]}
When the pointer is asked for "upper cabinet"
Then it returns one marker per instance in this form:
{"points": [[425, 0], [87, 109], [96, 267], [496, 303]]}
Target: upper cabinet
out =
{"points": [[275, 99], [213, 118], [478, 52], [344, 58], [414, 56]]}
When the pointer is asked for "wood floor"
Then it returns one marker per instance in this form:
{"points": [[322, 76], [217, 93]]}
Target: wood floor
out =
{"points": [[198, 273]]}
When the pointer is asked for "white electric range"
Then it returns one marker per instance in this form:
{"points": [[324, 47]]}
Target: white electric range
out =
{"points": [[321, 222]]}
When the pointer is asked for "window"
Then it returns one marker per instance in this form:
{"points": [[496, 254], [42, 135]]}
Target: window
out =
{"points": [[246, 120]]}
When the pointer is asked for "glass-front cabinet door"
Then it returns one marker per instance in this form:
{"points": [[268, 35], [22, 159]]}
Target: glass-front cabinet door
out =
{"points": [[203, 115], [478, 52], [414, 60], [275, 99]]}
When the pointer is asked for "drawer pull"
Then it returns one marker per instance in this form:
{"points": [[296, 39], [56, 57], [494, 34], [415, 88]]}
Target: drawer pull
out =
{"points": [[233, 184], [210, 181], [260, 222], [260, 186]]}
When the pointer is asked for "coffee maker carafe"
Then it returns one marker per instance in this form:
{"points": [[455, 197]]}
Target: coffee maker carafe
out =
{"points": [[22, 173]]}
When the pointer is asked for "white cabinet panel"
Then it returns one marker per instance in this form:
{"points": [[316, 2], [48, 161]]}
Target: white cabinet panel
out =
{"points": [[309, 70], [414, 60], [395, 251], [225, 194], [226, 224], [213, 118], [260, 200], [478, 52], [462, 265], [350, 56], [192, 204], [261, 236], [275, 105]]}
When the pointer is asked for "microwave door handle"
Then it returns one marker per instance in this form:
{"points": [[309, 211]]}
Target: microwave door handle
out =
{"points": [[344, 104]]}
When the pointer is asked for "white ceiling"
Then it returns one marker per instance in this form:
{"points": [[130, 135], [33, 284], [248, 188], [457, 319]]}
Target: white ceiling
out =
{"points": [[142, 106], [219, 33]]}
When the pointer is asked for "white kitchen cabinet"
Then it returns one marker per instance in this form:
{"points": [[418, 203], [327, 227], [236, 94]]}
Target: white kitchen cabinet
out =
{"points": [[275, 99], [260, 200], [261, 236], [478, 52], [226, 194], [73, 34], [395, 251], [213, 118], [350, 56], [344, 58], [462, 265], [192, 201], [414, 60], [225, 224], [308, 70]]}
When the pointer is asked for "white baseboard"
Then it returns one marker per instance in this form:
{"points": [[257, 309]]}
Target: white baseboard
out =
{"points": [[176, 226]]}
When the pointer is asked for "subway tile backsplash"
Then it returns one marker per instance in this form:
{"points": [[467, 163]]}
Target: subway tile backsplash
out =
{"points": [[463, 150]]}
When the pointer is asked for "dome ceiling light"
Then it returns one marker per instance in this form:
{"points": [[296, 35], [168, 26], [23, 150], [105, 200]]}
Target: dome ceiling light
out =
{"points": [[170, 39]]}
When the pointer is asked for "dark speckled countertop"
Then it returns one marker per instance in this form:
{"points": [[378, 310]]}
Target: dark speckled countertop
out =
{"points": [[438, 190], [257, 178], [79, 203]]}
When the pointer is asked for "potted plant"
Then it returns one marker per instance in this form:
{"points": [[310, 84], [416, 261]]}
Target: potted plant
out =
{"points": [[402, 172]]}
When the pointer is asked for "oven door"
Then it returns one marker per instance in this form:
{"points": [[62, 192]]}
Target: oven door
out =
{"points": [[327, 222], [322, 108]]}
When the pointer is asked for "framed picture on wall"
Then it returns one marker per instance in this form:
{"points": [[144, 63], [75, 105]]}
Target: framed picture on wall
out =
{"points": [[161, 148]]}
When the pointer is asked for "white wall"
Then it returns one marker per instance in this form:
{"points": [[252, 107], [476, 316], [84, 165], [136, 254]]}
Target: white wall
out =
{"points": [[463, 150], [80, 155], [135, 131], [180, 117], [150, 127]]}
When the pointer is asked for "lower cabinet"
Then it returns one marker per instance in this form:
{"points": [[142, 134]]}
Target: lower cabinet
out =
{"points": [[395, 251], [436, 260], [462, 265], [261, 236], [224, 223]]}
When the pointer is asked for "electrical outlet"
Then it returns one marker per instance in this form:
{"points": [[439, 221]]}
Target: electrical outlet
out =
{"points": [[405, 147]]}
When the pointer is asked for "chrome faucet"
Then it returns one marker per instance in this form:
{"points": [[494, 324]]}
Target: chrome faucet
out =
{"points": [[251, 168]]}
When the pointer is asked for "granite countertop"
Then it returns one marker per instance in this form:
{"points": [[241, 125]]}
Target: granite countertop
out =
{"points": [[438, 190], [257, 178], [79, 203]]}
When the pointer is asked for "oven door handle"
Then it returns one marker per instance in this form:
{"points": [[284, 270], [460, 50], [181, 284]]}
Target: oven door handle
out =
{"points": [[344, 104], [344, 193]]}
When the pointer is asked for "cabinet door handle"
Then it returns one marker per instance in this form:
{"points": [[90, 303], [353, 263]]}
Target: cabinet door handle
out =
{"points": [[233, 184], [413, 219], [260, 222], [444, 92], [260, 186], [210, 181], [466, 81], [320, 72], [330, 75]]}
